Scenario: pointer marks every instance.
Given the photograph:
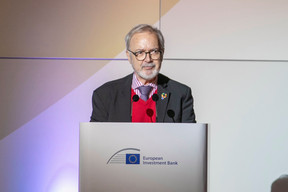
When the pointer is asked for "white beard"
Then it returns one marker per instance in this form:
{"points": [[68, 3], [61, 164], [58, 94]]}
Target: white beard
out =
{"points": [[151, 76]]}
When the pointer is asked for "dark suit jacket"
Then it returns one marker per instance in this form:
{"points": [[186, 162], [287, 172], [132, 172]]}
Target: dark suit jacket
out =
{"points": [[112, 101]]}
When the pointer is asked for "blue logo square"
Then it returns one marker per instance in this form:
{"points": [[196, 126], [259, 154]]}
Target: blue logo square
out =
{"points": [[132, 158]]}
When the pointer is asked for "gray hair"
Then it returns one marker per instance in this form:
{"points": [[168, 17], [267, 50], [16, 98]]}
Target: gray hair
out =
{"points": [[145, 28]]}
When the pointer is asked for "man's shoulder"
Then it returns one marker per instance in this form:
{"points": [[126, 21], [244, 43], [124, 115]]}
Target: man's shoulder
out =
{"points": [[166, 82], [117, 83]]}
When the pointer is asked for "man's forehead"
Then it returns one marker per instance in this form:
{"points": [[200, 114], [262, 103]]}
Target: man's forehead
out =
{"points": [[142, 34], [139, 36]]}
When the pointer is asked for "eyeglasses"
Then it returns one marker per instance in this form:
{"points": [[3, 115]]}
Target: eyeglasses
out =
{"points": [[155, 54]]}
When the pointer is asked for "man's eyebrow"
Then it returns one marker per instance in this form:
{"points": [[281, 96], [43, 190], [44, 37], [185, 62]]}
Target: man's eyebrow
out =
{"points": [[153, 49]]}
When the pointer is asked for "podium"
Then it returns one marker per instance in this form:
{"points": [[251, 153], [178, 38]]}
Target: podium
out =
{"points": [[138, 157]]}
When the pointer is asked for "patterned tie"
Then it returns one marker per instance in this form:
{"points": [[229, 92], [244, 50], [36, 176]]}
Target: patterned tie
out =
{"points": [[145, 90]]}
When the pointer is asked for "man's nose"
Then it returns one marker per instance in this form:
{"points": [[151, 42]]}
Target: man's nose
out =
{"points": [[148, 58]]}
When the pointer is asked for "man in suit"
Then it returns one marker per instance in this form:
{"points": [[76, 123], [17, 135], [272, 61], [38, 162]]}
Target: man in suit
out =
{"points": [[145, 95]]}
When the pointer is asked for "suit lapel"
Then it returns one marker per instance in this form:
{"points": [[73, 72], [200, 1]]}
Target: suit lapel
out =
{"points": [[125, 99], [163, 95]]}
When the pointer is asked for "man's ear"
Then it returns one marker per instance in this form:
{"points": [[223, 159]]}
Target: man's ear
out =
{"points": [[162, 55], [128, 56]]}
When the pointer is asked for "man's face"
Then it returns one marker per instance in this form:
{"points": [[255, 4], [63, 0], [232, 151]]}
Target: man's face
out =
{"points": [[147, 69]]}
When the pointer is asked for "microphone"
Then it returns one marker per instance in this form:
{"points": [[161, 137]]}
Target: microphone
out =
{"points": [[155, 97], [150, 113], [135, 98], [171, 114]]}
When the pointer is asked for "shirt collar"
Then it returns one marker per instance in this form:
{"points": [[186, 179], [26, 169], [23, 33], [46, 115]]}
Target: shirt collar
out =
{"points": [[136, 83]]}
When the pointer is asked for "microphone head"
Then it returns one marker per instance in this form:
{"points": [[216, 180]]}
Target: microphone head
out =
{"points": [[155, 97], [171, 113], [149, 112], [135, 98]]}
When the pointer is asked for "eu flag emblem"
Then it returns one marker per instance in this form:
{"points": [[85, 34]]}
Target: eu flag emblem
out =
{"points": [[132, 158]]}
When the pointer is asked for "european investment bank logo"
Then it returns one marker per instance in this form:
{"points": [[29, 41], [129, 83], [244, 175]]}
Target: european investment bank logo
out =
{"points": [[125, 156]]}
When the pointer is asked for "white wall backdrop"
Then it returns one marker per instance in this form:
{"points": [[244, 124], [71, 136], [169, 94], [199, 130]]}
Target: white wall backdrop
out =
{"points": [[227, 29]]}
